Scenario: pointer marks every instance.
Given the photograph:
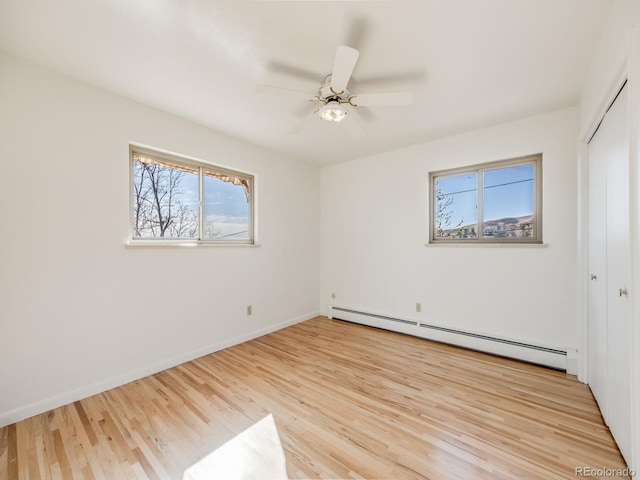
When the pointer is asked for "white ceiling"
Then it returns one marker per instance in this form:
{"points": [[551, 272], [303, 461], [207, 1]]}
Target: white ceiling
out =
{"points": [[470, 63]]}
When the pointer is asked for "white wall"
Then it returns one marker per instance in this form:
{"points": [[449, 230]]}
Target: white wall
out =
{"points": [[80, 312], [617, 58], [609, 64], [374, 226]]}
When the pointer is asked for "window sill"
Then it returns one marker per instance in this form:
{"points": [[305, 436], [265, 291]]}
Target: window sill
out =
{"points": [[144, 244], [491, 245]]}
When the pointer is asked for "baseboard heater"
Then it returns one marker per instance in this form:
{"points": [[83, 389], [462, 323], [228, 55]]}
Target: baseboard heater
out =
{"points": [[541, 355]]}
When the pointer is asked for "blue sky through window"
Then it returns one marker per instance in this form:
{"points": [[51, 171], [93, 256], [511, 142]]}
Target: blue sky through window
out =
{"points": [[463, 192], [226, 209], [224, 200], [508, 192]]}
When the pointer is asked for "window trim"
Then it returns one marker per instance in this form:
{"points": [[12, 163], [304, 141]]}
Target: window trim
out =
{"points": [[200, 166], [535, 159]]}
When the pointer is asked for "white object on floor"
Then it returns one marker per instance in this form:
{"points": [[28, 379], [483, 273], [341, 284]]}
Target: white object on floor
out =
{"points": [[254, 454]]}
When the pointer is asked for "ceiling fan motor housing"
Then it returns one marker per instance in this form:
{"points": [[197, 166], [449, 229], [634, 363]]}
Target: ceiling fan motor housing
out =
{"points": [[326, 94]]}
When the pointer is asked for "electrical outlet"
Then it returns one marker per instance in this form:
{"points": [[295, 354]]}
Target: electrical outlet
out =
{"points": [[249, 310], [333, 295], [418, 307]]}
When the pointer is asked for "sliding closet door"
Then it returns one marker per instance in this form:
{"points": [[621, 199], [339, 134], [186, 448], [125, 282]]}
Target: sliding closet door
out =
{"points": [[609, 263]]}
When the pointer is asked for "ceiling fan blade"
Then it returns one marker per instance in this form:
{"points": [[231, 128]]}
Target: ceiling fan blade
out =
{"points": [[292, 71], [302, 110], [353, 127], [382, 99], [304, 123], [345, 62], [363, 114], [416, 78], [284, 91]]}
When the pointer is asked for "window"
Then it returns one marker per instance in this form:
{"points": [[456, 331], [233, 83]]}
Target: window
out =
{"points": [[176, 200], [499, 202]]}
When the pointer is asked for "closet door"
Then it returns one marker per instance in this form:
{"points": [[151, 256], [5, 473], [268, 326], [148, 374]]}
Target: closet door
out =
{"points": [[597, 258], [609, 265], [618, 273]]}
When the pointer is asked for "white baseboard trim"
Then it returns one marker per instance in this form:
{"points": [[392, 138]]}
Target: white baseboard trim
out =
{"points": [[519, 349], [55, 401]]}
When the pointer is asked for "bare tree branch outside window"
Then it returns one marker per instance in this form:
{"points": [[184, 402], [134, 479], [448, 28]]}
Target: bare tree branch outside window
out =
{"points": [[158, 208], [444, 213]]}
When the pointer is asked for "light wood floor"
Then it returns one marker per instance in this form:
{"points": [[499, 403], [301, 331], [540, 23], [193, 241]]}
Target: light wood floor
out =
{"points": [[349, 402]]}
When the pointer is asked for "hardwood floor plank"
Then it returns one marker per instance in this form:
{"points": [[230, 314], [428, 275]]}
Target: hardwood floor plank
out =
{"points": [[43, 462], [12, 451], [349, 402], [86, 430], [61, 455]]}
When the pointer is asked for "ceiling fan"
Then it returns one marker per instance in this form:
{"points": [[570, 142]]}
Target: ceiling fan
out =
{"points": [[334, 102]]}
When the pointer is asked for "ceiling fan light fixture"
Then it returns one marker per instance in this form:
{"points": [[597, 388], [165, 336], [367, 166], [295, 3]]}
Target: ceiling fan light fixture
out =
{"points": [[333, 112]]}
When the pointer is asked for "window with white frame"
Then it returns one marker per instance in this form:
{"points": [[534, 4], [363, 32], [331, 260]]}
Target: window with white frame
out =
{"points": [[178, 200], [497, 202]]}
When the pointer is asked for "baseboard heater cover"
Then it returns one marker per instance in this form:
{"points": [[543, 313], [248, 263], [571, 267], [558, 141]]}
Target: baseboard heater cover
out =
{"points": [[495, 339], [541, 355], [375, 315]]}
